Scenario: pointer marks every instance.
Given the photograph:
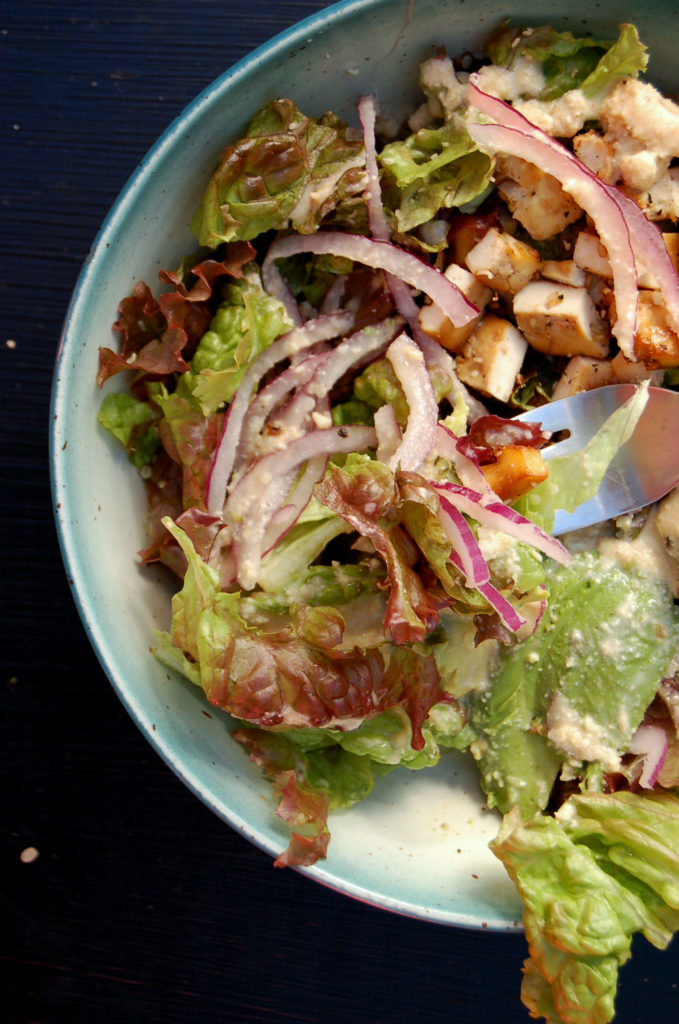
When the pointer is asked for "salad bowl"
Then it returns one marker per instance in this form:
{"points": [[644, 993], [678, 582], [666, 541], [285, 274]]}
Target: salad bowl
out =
{"points": [[418, 844]]}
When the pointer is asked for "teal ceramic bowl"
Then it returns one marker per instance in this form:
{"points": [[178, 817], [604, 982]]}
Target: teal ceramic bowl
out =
{"points": [[419, 843]]}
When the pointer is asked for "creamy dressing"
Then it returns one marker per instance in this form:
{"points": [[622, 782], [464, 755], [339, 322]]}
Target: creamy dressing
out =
{"points": [[579, 736]]}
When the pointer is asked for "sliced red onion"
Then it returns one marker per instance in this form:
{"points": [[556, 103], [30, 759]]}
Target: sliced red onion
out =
{"points": [[356, 350], [379, 228], [649, 246], [495, 515], [247, 534], [466, 554], [270, 397], [468, 558], [591, 195], [388, 433], [285, 347], [264, 488], [420, 433], [334, 295], [382, 256], [288, 514], [507, 612], [646, 238], [276, 285], [367, 112], [649, 742], [468, 472]]}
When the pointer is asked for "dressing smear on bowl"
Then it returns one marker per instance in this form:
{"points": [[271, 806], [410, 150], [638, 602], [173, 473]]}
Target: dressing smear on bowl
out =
{"points": [[320, 405]]}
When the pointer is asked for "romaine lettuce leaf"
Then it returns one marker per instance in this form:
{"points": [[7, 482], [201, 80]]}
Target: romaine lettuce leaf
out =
{"points": [[627, 58], [387, 738], [435, 168], [615, 629], [245, 323], [289, 561], [288, 171], [133, 422], [331, 585], [604, 868]]}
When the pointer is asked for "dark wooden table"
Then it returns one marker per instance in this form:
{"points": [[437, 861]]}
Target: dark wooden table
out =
{"points": [[141, 905]]}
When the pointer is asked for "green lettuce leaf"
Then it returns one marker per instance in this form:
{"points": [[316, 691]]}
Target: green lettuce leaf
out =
{"points": [[331, 585], [288, 562], [627, 58], [603, 869], [288, 171], [378, 385], [569, 62], [245, 324], [435, 168], [134, 423], [387, 738], [616, 629]]}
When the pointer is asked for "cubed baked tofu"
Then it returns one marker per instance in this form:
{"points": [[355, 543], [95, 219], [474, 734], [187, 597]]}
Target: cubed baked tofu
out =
{"points": [[563, 272], [503, 262], [583, 373], [534, 198], [671, 240], [656, 345], [591, 256], [560, 320], [598, 154], [517, 470], [628, 372], [643, 127], [492, 357], [433, 320]]}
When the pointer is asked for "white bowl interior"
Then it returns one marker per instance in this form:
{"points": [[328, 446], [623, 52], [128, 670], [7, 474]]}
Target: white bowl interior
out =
{"points": [[418, 844]]}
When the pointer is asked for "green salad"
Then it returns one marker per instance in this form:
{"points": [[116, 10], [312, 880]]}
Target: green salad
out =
{"points": [[322, 404]]}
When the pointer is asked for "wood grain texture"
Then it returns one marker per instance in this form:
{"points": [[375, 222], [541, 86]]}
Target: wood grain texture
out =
{"points": [[143, 906]]}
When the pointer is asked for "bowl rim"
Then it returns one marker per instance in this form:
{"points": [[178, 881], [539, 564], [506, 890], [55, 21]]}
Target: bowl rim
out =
{"points": [[76, 571]]}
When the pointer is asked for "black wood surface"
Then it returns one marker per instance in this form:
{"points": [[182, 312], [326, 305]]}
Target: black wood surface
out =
{"points": [[141, 905]]}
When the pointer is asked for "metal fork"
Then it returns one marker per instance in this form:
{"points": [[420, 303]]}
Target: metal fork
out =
{"points": [[644, 470]]}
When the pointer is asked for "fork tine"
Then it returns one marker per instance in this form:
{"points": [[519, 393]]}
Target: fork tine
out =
{"points": [[578, 415]]}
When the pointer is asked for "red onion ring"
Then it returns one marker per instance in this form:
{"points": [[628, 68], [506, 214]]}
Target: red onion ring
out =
{"points": [[495, 515], [284, 347], [382, 256], [260, 493], [591, 194], [379, 228], [466, 554], [420, 433], [388, 433], [468, 558], [649, 742]]}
